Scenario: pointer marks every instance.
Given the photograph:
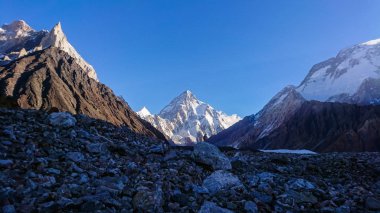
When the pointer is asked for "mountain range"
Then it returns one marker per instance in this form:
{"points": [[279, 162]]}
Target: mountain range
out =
{"points": [[41, 70], [68, 143], [335, 108], [19, 39], [186, 120]]}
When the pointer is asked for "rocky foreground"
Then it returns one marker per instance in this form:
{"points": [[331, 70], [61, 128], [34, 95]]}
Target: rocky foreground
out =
{"points": [[66, 163]]}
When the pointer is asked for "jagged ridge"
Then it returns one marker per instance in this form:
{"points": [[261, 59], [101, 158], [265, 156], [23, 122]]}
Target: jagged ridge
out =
{"points": [[51, 78], [19, 39], [352, 77], [187, 120]]}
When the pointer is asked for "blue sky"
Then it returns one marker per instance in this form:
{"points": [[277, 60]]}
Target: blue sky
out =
{"points": [[234, 55]]}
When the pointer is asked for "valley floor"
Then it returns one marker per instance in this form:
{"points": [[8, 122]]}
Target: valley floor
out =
{"points": [[91, 165]]}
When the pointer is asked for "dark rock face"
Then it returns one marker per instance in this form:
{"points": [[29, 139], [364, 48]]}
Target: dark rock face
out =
{"points": [[278, 110], [96, 166], [317, 126], [234, 133], [8, 101], [327, 127], [50, 79]]}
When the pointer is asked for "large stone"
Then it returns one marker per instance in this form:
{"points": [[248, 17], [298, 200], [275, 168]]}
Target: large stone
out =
{"points": [[62, 119], [210, 207], [300, 197], [96, 148], [210, 155], [221, 180], [376, 187], [48, 181], [149, 201], [5, 163], [372, 203], [9, 209], [75, 156], [300, 184], [266, 177], [250, 207]]}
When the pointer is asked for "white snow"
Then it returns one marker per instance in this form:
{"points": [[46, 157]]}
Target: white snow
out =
{"points": [[18, 32], [57, 38], [345, 74], [186, 119], [372, 42], [290, 151], [144, 112]]}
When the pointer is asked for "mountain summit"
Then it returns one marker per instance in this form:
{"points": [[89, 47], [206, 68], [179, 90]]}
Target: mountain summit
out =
{"points": [[187, 120], [353, 76], [331, 110], [19, 39], [54, 77]]}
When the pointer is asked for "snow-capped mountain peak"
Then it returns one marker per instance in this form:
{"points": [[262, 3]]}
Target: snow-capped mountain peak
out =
{"points": [[372, 42], [18, 39], [187, 120], [353, 76], [184, 98], [184, 104], [144, 112], [187, 95], [57, 38], [17, 28]]}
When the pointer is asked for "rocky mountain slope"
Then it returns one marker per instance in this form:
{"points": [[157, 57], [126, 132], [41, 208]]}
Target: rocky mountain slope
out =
{"points": [[326, 127], [186, 119], [47, 73], [351, 77], [72, 163], [51, 79], [19, 39]]}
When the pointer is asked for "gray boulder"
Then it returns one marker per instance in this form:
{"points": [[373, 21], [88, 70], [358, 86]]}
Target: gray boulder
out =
{"points": [[6, 163], [75, 156], [9, 209], [62, 119], [221, 180], [251, 207], [96, 148], [372, 203], [210, 155], [300, 184], [146, 200], [210, 207]]}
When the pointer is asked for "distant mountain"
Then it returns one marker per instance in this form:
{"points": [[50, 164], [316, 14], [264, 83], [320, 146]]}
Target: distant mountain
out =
{"points": [[19, 39], [54, 78], [144, 112], [352, 77], [187, 120]]}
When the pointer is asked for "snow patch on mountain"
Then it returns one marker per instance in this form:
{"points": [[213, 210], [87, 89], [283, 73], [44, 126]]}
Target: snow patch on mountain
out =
{"points": [[280, 108], [353, 76], [339, 79], [290, 151], [144, 112], [372, 42], [186, 119], [19, 39]]}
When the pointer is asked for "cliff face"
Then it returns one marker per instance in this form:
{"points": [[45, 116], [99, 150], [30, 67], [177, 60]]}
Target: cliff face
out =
{"points": [[51, 78], [326, 127]]}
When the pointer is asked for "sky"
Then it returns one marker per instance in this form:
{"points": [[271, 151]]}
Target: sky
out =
{"points": [[234, 55]]}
